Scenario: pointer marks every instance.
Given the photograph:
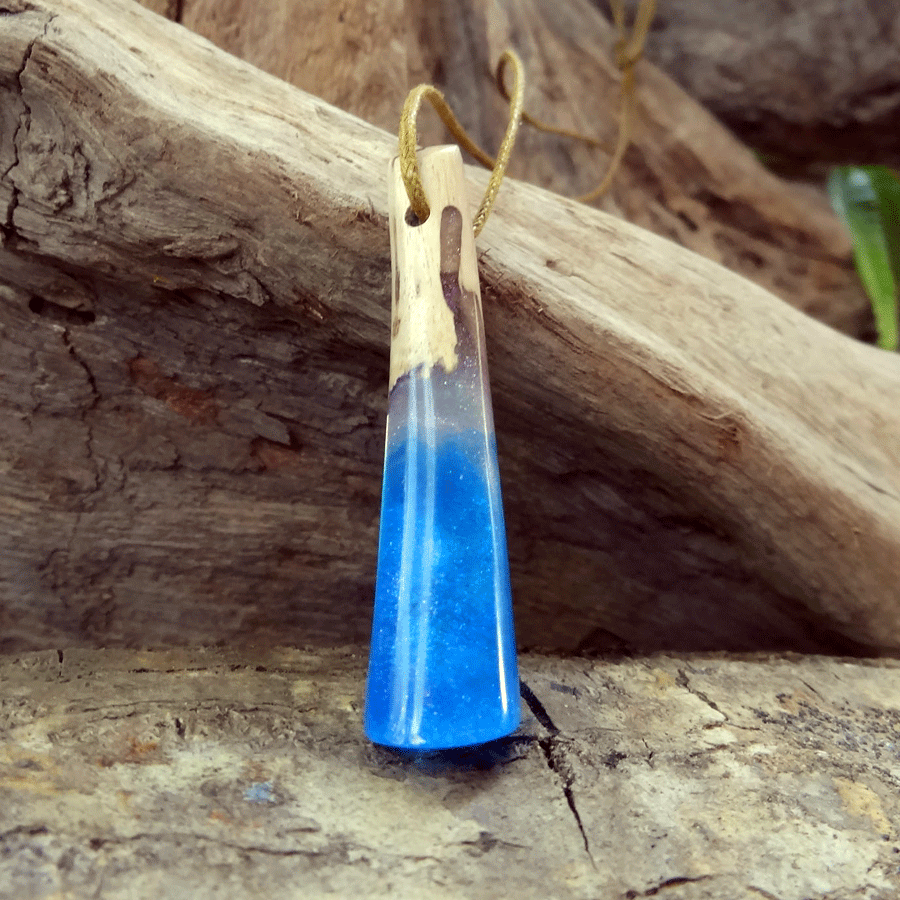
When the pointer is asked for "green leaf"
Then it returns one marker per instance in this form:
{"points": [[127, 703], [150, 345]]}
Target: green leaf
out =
{"points": [[867, 198]]}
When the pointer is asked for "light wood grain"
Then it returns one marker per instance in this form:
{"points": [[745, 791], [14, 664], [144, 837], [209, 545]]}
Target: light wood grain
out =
{"points": [[205, 774], [423, 332]]}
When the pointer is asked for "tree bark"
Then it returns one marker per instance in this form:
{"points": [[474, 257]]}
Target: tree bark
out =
{"points": [[194, 339], [203, 773], [808, 82], [685, 176]]}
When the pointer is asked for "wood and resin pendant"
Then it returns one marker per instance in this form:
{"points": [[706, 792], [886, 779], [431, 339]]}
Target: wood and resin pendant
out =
{"points": [[442, 665]]}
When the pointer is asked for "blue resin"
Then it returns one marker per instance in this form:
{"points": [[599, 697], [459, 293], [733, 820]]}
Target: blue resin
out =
{"points": [[442, 668]]}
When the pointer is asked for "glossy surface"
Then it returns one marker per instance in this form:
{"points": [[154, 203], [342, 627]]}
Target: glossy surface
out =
{"points": [[442, 666], [442, 670]]}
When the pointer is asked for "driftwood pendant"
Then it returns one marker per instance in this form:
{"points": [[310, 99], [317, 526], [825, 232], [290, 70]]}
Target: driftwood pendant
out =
{"points": [[442, 665]]}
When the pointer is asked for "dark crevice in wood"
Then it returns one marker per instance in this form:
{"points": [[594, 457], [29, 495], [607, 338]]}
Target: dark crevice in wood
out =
{"points": [[61, 315], [677, 881], [554, 754], [537, 708], [554, 751]]}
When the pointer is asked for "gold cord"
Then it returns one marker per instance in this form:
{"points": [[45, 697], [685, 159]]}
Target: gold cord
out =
{"points": [[409, 163], [538, 123], [628, 51], [509, 139]]}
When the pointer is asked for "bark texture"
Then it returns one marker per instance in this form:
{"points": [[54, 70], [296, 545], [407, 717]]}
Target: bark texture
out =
{"points": [[194, 331], [202, 774], [808, 81], [685, 177]]}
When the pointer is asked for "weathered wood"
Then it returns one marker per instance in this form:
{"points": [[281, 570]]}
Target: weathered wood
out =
{"points": [[808, 82], [205, 774], [194, 348], [423, 326], [685, 177]]}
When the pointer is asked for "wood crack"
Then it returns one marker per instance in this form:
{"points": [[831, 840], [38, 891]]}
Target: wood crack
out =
{"points": [[169, 837], [8, 227], [762, 893], [677, 881], [555, 754], [23, 830], [683, 681], [88, 443]]}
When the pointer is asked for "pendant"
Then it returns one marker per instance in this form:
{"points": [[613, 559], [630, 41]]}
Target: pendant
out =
{"points": [[442, 663]]}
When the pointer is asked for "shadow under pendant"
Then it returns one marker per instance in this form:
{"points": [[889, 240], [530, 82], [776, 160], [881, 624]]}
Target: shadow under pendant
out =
{"points": [[442, 663]]}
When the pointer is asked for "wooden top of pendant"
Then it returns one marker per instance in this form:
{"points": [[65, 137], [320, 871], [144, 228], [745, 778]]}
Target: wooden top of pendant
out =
{"points": [[423, 332]]}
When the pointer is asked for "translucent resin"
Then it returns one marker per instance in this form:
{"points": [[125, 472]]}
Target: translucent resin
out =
{"points": [[442, 666]]}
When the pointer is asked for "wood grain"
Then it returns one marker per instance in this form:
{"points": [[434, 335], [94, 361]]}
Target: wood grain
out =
{"points": [[195, 327], [208, 773], [423, 329], [685, 176], [809, 83]]}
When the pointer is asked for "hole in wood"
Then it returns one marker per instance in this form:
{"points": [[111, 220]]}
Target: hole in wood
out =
{"points": [[412, 219], [56, 312]]}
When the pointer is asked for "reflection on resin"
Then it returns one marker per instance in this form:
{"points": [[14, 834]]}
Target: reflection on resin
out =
{"points": [[443, 613], [442, 668]]}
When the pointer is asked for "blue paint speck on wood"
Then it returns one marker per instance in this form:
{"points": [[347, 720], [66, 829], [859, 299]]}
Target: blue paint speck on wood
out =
{"points": [[260, 792]]}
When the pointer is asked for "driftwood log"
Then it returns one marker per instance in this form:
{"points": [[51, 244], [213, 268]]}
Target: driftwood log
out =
{"points": [[685, 176], [194, 329], [209, 774], [806, 82]]}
